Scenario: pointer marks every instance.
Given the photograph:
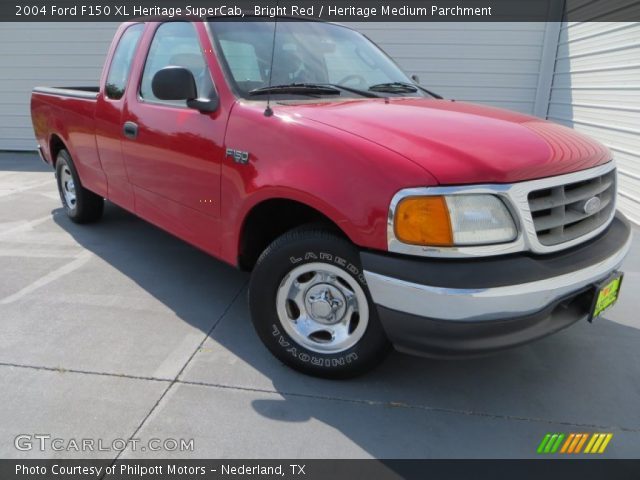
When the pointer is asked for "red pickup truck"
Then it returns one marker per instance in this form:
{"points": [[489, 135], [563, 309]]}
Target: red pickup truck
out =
{"points": [[370, 211]]}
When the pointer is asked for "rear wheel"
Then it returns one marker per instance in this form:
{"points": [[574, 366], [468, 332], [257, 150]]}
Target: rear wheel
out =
{"points": [[311, 307], [80, 204]]}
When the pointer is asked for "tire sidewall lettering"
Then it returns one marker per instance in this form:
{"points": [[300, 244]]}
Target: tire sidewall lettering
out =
{"points": [[309, 357], [331, 259]]}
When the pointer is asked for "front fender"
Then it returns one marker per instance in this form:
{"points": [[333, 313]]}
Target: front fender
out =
{"points": [[348, 179]]}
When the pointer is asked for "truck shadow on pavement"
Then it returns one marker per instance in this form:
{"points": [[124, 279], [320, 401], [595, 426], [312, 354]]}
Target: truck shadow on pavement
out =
{"points": [[582, 379]]}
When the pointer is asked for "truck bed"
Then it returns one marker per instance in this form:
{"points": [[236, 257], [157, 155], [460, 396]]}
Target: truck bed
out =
{"points": [[66, 116], [90, 93]]}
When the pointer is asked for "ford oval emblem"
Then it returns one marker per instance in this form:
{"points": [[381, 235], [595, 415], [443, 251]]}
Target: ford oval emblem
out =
{"points": [[592, 206]]}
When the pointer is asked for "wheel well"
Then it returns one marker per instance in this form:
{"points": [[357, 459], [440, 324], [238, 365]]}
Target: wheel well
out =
{"points": [[55, 145], [272, 218]]}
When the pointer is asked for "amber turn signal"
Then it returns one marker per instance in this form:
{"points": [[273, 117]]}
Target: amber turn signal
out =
{"points": [[423, 221]]}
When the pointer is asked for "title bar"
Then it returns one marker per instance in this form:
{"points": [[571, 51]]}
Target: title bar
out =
{"points": [[333, 11]]}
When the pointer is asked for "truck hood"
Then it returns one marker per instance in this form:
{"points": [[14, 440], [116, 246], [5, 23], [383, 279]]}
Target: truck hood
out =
{"points": [[460, 143]]}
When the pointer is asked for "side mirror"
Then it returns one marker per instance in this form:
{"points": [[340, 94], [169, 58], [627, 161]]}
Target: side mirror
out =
{"points": [[177, 83], [174, 83], [416, 79]]}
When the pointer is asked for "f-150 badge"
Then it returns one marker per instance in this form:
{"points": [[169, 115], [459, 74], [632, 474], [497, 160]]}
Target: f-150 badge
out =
{"points": [[238, 156]]}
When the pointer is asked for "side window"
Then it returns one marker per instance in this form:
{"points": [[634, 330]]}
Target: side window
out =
{"points": [[243, 60], [121, 63], [176, 44]]}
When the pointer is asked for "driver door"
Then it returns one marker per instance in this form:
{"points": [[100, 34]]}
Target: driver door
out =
{"points": [[173, 153]]}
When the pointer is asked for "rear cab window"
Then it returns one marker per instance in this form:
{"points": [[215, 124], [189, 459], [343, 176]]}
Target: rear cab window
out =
{"points": [[120, 67]]}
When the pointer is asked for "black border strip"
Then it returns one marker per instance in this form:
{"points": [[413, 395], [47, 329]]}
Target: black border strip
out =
{"points": [[332, 10], [593, 469]]}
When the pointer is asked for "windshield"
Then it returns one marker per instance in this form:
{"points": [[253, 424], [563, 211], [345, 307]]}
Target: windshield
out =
{"points": [[306, 53]]}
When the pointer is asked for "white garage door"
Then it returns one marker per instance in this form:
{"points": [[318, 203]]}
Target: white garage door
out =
{"points": [[494, 63], [53, 54], [596, 89]]}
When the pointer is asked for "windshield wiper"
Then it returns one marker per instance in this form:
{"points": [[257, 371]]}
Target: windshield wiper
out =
{"points": [[394, 87], [401, 87], [357, 91], [312, 89], [296, 88]]}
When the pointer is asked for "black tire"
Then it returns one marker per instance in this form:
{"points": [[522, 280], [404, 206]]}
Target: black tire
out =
{"points": [[297, 248], [86, 206]]}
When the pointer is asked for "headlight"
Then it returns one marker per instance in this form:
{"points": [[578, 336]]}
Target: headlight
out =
{"points": [[453, 220]]}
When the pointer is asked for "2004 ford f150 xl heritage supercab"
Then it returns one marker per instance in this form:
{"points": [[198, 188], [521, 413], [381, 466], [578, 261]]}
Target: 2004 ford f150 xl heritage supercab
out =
{"points": [[370, 211]]}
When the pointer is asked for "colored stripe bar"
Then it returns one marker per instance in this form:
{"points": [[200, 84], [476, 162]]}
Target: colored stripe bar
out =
{"points": [[556, 445], [573, 443], [605, 443], [591, 442], [581, 443], [576, 439], [550, 443], [596, 446], [568, 442], [543, 443]]}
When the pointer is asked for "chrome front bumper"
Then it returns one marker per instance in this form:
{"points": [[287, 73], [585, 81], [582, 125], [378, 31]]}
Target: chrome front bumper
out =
{"points": [[489, 303], [448, 308]]}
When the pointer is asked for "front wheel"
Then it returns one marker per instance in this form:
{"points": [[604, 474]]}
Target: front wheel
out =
{"points": [[311, 307]]}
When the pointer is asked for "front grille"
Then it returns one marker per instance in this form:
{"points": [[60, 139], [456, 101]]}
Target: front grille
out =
{"points": [[559, 213]]}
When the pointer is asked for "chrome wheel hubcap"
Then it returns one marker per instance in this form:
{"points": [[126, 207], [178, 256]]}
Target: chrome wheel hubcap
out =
{"points": [[322, 308], [325, 303], [68, 187]]}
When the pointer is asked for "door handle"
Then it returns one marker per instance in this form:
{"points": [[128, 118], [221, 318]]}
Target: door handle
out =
{"points": [[130, 130]]}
